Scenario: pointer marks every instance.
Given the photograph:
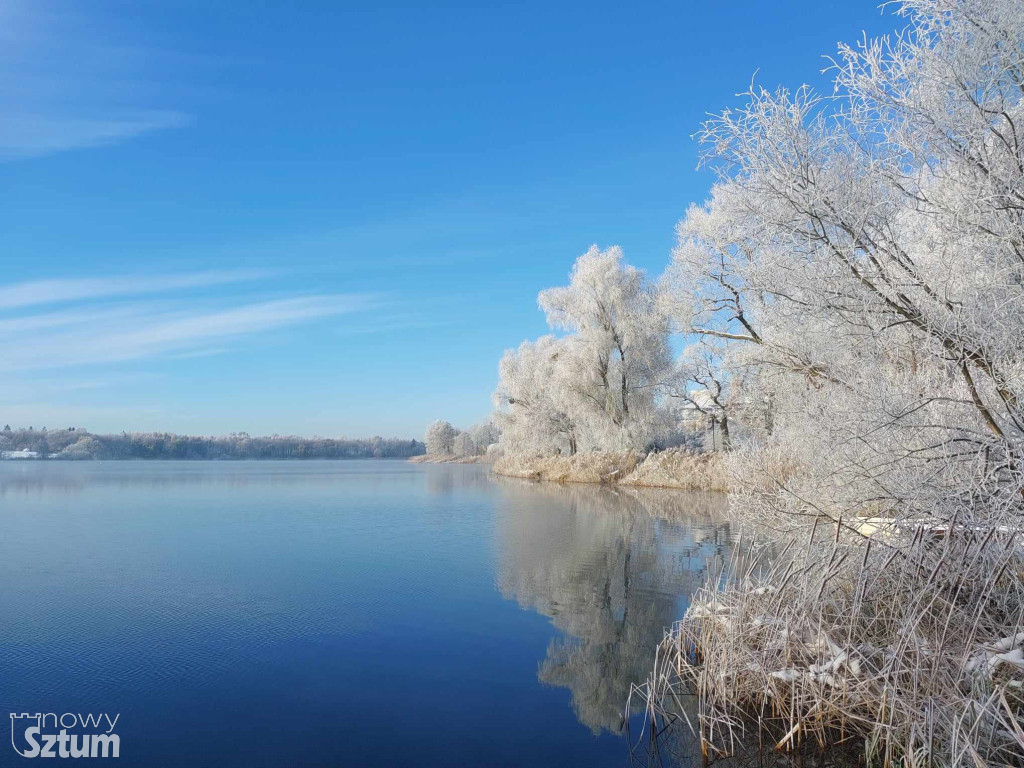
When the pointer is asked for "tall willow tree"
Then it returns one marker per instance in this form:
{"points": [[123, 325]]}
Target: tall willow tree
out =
{"points": [[597, 385]]}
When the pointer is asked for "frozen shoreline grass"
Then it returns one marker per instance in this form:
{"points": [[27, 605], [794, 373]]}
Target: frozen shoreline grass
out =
{"points": [[428, 458], [597, 467], [681, 469], [678, 469], [907, 645]]}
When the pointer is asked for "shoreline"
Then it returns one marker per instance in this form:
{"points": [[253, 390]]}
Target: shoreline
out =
{"points": [[674, 469], [424, 458]]}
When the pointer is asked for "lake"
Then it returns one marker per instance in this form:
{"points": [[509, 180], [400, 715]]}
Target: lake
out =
{"points": [[323, 613]]}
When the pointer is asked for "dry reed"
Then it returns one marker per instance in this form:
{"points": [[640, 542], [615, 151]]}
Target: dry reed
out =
{"points": [[666, 469], [680, 468], [907, 644], [595, 467], [428, 458]]}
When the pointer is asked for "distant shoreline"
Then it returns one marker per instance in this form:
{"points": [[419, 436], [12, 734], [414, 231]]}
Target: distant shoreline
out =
{"points": [[128, 459], [75, 444]]}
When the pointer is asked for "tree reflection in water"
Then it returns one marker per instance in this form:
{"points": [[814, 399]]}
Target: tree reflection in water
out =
{"points": [[612, 568]]}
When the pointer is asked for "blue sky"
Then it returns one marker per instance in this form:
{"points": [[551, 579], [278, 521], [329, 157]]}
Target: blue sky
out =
{"points": [[331, 218]]}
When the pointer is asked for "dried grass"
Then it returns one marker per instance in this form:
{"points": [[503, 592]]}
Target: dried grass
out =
{"points": [[681, 469], [428, 458], [678, 468], [596, 467], [908, 647]]}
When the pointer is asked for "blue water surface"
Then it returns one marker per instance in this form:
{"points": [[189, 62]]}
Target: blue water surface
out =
{"points": [[354, 613]]}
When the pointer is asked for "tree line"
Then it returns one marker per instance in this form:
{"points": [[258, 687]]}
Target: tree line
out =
{"points": [[74, 443]]}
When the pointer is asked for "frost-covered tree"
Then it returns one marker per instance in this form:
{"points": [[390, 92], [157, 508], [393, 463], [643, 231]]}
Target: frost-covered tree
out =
{"points": [[889, 234], [84, 448], [534, 406], [621, 337], [872, 244], [716, 298], [440, 439], [464, 445], [705, 383], [443, 439], [598, 385], [484, 435]]}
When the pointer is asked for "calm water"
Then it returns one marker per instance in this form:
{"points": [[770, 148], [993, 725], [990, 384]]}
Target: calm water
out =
{"points": [[338, 613]]}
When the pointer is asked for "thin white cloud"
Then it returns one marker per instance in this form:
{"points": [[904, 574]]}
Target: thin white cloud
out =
{"points": [[24, 136], [39, 292], [71, 78], [141, 334], [33, 323]]}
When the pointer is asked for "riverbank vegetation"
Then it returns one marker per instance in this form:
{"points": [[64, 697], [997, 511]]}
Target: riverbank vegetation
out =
{"points": [[851, 298], [80, 444], [447, 444], [672, 468]]}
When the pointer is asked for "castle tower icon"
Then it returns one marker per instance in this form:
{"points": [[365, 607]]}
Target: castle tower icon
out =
{"points": [[19, 724]]}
